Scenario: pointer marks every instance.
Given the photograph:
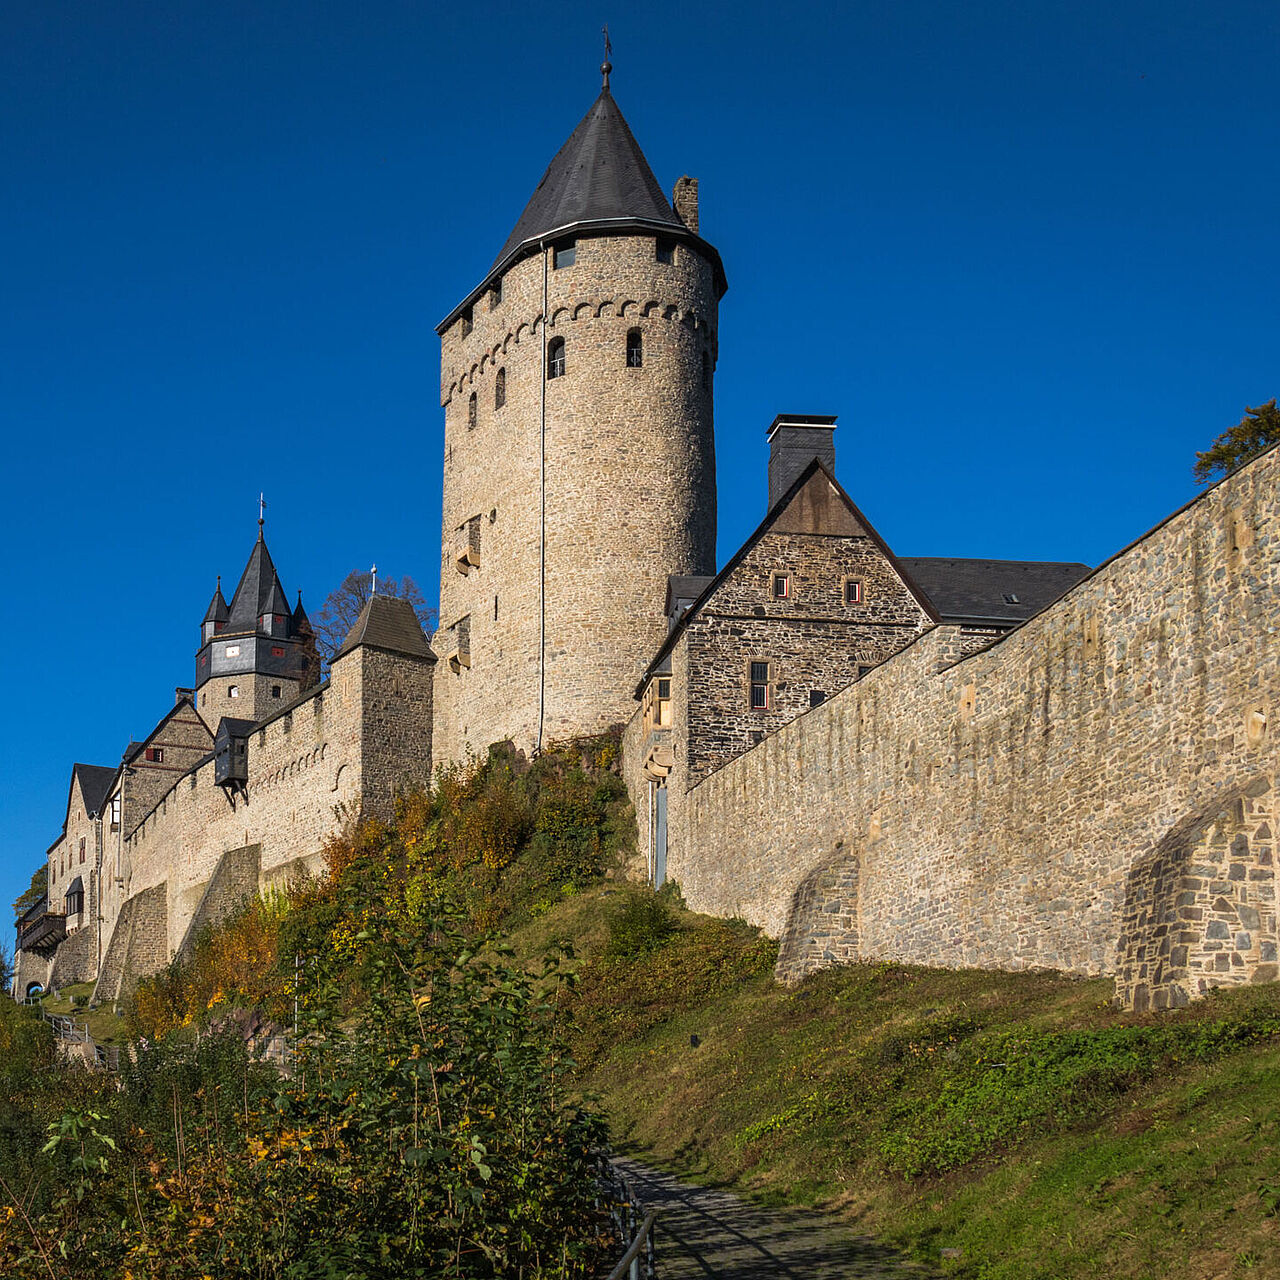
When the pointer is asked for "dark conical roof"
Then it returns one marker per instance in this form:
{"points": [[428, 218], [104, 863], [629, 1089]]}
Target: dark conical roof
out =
{"points": [[301, 623], [217, 610], [258, 591], [599, 175]]}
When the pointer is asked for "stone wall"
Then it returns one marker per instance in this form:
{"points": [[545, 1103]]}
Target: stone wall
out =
{"points": [[339, 752], [1026, 806], [139, 944], [630, 487]]}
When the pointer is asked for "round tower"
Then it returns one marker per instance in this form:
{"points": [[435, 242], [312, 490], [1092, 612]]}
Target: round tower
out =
{"points": [[579, 468]]}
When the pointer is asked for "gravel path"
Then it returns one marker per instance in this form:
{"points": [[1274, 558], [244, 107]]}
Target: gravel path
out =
{"points": [[702, 1232]]}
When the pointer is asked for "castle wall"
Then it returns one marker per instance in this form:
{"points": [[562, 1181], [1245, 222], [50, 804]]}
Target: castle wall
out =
{"points": [[337, 754], [1049, 801], [630, 488]]}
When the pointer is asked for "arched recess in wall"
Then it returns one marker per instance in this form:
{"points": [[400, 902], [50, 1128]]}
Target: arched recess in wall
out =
{"points": [[340, 778], [822, 919], [1200, 908]]}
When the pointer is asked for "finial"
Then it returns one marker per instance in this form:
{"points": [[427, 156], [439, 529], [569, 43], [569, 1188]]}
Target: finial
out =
{"points": [[606, 66], [374, 589], [262, 506]]}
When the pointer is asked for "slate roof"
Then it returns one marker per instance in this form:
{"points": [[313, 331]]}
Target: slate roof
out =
{"points": [[230, 727], [388, 622], [600, 174], [598, 181], [258, 589], [95, 781], [995, 591], [217, 610]]}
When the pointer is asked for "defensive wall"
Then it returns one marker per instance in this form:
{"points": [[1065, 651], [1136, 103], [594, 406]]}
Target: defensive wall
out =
{"points": [[341, 749], [1094, 793]]}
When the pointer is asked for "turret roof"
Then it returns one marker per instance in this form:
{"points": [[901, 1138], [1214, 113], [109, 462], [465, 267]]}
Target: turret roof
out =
{"points": [[599, 175], [217, 610], [388, 622], [259, 590]]}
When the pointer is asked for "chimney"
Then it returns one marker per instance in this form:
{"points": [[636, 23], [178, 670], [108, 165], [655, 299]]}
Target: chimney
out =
{"points": [[795, 439], [685, 200], [183, 695]]}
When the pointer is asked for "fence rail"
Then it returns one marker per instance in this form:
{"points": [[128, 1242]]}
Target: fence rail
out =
{"points": [[629, 1264]]}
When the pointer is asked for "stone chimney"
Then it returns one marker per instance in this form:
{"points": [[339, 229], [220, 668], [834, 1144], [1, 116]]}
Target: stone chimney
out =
{"points": [[685, 200], [181, 695], [795, 439]]}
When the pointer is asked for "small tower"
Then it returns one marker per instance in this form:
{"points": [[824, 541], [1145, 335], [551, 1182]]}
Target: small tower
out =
{"points": [[579, 468], [256, 653]]}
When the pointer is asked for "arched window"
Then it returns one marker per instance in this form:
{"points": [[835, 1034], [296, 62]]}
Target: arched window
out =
{"points": [[555, 358], [471, 412], [635, 349], [500, 389]]}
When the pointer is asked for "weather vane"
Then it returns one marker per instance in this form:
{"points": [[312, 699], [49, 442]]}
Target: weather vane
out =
{"points": [[374, 572], [606, 66], [262, 506]]}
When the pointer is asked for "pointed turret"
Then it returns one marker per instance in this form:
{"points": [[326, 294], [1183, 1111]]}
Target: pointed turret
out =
{"points": [[257, 652], [258, 592], [215, 616]]}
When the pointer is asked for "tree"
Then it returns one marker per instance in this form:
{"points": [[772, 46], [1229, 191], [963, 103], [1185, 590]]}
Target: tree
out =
{"points": [[340, 610], [1256, 431], [36, 890]]}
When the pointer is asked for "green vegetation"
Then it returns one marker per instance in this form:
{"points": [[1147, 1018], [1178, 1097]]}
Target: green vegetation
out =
{"points": [[427, 1124], [1017, 1118], [36, 890], [1259, 429], [471, 990]]}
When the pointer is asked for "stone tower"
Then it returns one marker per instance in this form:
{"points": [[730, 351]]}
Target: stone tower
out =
{"points": [[579, 467], [256, 653]]}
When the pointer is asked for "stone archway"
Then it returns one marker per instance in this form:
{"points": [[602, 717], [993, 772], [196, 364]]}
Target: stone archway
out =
{"points": [[1200, 911], [822, 920]]}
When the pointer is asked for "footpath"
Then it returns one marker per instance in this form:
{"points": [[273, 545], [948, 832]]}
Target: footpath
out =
{"points": [[703, 1232]]}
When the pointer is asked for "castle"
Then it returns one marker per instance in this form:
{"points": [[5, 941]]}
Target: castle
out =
{"points": [[947, 761]]}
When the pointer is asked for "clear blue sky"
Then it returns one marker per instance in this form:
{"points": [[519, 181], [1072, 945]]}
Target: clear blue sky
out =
{"points": [[1027, 251]]}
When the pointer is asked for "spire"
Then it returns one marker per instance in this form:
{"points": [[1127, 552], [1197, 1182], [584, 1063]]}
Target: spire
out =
{"points": [[259, 590], [217, 610], [599, 175], [301, 623], [606, 66]]}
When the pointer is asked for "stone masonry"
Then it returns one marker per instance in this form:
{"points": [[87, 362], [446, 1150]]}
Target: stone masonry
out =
{"points": [[1091, 793]]}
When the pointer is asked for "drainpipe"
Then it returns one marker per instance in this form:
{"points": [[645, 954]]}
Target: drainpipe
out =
{"points": [[542, 515]]}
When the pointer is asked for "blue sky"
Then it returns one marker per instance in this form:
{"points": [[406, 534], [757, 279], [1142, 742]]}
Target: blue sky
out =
{"points": [[1027, 252]]}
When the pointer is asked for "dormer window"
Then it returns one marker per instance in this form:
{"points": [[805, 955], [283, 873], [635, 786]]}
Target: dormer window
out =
{"points": [[564, 255]]}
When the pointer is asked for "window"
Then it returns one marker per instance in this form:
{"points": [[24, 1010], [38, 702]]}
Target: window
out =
{"points": [[233, 691], [115, 814], [864, 670], [500, 389], [635, 349], [232, 651], [817, 697], [657, 703], [564, 256], [465, 323], [495, 294], [471, 412], [555, 358], [853, 591], [277, 651], [74, 900], [82, 848], [759, 686], [664, 249], [706, 371], [495, 608], [275, 690], [780, 586], [155, 755]]}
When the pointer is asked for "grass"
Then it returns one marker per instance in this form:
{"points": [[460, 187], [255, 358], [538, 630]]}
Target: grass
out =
{"points": [[1018, 1118], [105, 1026]]}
